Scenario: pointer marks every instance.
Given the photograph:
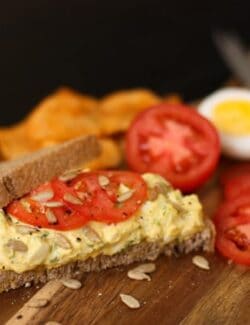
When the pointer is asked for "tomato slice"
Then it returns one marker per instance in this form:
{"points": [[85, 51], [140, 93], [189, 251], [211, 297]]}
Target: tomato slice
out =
{"points": [[176, 142], [237, 186], [89, 196], [103, 202], [35, 212], [236, 180], [232, 223], [239, 169]]}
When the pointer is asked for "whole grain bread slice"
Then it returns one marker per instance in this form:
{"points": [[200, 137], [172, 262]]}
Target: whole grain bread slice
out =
{"points": [[20, 176], [137, 253]]}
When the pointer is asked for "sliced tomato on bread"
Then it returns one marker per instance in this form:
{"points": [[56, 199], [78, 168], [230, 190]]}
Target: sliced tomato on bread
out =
{"points": [[98, 196]]}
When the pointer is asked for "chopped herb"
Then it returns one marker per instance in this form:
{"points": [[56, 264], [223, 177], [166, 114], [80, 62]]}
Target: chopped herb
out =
{"points": [[54, 260], [44, 235]]}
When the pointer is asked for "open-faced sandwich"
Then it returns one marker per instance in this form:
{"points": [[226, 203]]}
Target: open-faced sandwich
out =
{"points": [[57, 222]]}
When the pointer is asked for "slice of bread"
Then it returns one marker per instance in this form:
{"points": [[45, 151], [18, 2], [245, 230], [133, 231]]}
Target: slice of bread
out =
{"points": [[137, 253], [20, 176]]}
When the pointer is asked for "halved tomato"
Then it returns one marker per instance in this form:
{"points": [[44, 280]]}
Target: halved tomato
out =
{"points": [[232, 223], [176, 142], [89, 196]]}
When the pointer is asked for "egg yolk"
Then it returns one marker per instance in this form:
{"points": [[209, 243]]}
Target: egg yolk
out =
{"points": [[232, 117]]}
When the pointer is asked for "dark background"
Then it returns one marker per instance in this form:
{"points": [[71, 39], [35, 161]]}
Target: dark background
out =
{"points": [[99, 46]]}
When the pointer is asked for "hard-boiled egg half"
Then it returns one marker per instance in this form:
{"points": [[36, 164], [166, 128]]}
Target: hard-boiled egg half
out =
{"points": [[229, 110]]}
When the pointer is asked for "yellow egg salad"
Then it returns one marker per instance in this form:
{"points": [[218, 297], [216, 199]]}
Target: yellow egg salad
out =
{"points": [[168, 217]]}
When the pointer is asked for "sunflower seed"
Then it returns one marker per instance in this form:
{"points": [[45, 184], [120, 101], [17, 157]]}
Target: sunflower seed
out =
{"points": [[69, 175], [26, 205], [38, 303], [103, 180], [152, 194], [91, 234], [130, 301], [51, 216], [78, 185], [17, 245], [43, 196], [201, 262], [85, 170], [40, 254], [145, 268], [135, 275], [53, 204], [163, 188], [71, 283], [125, 196], [62, 241], [82, 195], [25, 230], [176, 205], [71, 198]]}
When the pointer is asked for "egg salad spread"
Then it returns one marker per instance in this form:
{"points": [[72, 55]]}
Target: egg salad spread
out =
{"points": [[169, 216]]}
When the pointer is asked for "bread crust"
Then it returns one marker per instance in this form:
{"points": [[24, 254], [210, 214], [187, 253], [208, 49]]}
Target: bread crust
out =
{"points": [[138, 253], [20, 176]]}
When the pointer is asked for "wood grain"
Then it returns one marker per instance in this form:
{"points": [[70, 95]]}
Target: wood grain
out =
{"points": [[179, 293]]}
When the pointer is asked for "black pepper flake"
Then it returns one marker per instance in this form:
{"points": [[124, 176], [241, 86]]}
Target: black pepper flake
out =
{"points": [[19, 316], [78, 239]]}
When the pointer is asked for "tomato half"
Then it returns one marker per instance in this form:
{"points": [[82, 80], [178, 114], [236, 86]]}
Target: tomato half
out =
{"points": [[69, 205], [176, 142], [232, 223]]}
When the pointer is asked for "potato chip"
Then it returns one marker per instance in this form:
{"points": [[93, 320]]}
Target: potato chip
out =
{"points": [[67, 114], [172, 99], [111, 156], [62, 116], [14, 142], [119, 109]]}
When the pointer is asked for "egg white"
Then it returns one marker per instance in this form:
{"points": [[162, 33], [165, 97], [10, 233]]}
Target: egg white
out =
{"points": [[232, 145]]}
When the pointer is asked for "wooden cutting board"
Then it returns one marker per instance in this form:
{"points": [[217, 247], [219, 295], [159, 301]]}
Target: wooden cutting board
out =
{"points": [[179, 292]]}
